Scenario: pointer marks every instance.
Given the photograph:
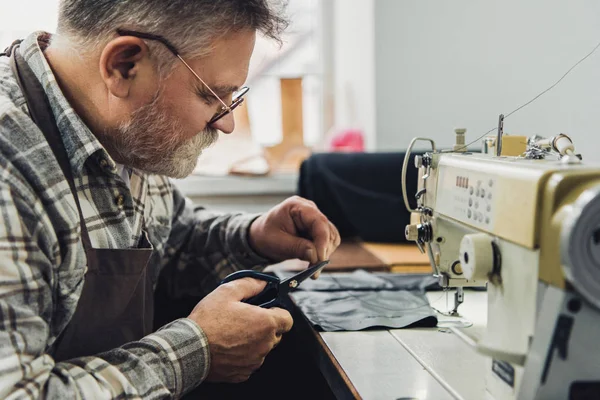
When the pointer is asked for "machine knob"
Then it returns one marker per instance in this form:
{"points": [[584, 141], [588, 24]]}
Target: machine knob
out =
{"points": [[412, 232], [418, 232], [477, 256], [418, 162], [423, 161]]}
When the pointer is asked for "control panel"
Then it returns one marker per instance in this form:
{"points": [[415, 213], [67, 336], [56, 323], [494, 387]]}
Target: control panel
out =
{"points": [[467, 196]]}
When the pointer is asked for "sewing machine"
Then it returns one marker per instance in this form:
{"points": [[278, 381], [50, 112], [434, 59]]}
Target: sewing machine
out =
{"points": [[523, 218]]}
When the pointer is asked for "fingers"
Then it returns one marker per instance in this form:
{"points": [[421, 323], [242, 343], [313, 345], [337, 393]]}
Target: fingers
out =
{"points": [[283, 320], [334, 242], [310, 220], [243, 374], [325, 236], [244, 288], [335, 237], [249, 369], [296, 247]]}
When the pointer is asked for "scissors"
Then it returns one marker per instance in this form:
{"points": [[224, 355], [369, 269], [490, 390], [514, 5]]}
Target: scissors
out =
{"points": [[276, 290]]}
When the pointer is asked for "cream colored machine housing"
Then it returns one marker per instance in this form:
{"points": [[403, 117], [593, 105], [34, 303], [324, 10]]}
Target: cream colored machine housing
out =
{"points": [[530, 230]]}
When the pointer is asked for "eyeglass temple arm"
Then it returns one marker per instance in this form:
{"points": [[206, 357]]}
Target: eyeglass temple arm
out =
{"points": [[172, 49], [225, 106]]}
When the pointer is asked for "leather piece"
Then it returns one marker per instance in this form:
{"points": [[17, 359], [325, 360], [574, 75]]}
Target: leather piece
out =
{"points": [[354, 310], [363, 280], [360, 300]]}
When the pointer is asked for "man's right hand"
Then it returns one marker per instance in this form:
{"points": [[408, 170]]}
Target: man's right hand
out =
{"points": [[239, 335]]}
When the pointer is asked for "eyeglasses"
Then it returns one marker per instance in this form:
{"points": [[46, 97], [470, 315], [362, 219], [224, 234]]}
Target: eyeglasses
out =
{"points": [[238, 96]]}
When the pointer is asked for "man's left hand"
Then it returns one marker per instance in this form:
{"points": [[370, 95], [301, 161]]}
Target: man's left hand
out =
{"points": [[294, 228]]}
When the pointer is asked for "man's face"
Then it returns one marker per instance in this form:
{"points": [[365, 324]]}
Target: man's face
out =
{"points": [[167, 134]]}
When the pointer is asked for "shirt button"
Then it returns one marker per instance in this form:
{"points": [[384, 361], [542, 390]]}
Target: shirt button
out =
{"points": [[120, 200]]}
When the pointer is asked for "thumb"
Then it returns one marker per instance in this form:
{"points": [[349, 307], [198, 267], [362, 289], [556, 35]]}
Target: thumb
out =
{"points": [[296, 247], [245, 288]]}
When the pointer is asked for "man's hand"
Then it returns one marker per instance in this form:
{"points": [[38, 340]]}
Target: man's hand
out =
{"points": [[294, 229], [239, 335]]}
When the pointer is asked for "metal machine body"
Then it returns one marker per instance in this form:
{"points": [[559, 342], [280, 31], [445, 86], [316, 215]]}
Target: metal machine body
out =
{"points": [[529, 229]]}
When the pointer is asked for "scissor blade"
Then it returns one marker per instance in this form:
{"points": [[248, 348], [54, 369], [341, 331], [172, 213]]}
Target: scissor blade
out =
{"points": [[294, 280]]}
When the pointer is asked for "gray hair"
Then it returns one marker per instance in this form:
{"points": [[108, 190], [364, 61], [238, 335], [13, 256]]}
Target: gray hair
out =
{"points": [[191, 26]]}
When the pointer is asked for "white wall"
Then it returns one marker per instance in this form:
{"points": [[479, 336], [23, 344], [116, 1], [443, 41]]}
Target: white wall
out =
{"points": [[20, 18], [446, 64]]}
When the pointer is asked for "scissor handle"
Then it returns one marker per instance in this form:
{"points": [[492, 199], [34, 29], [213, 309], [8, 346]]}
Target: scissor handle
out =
{"points": [[248, 273], [268, 297]]}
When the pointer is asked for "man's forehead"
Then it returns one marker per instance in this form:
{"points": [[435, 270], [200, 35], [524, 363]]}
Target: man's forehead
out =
{"points": [[225, 69], [234, 48]]}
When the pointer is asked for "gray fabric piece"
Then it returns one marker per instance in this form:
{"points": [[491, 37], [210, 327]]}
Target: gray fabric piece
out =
{"points": [[361, 300], [354, 310], [363, 280]]}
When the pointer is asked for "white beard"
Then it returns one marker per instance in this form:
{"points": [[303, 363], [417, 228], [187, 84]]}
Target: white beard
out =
{"points": [[149, 142]]}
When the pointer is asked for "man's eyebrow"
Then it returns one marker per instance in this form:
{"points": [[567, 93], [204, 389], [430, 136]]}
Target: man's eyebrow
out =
{"points": [[220, 90], [225, 89]]}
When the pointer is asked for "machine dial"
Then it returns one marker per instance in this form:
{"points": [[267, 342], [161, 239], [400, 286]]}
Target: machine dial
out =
{"points": [[418, 232], [418, 162], [477, 256]]}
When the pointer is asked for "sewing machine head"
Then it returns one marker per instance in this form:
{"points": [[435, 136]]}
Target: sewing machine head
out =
{"points": [[522, 216], [469, 204]]}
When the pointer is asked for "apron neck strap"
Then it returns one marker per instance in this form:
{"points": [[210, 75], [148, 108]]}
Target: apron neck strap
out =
{"points": [[41, 114]]}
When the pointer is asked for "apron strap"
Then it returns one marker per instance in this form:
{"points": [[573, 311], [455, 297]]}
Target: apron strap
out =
{"points": [[42, 116], [8, 51]]}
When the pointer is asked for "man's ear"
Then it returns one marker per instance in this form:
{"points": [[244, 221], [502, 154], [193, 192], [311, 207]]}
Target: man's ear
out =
{"points": [[120, 63]]}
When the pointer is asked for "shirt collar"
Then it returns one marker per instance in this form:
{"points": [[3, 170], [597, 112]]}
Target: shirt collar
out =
{"points": [[80, 143]]}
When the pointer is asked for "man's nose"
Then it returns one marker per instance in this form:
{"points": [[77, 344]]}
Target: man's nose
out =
{"points": [[225, 124]]}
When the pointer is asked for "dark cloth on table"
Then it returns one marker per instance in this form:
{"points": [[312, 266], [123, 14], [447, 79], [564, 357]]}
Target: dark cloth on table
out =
{"points": [[360, 193], [360, 300], [363, 280]]}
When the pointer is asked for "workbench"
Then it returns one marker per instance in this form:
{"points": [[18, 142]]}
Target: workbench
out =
{"points": [[413, 363]]}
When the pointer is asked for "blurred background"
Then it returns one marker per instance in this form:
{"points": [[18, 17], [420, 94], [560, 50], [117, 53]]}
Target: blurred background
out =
{"points": [[368, 75]]}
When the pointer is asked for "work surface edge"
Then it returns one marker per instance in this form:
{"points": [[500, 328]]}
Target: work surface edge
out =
{"points": [[421, 363]]}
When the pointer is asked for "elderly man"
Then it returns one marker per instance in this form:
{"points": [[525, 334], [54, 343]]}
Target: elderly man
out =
{"points": [[93, 121]]}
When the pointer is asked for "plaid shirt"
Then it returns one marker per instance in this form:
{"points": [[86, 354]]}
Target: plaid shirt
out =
{"points": [[39, 289]]}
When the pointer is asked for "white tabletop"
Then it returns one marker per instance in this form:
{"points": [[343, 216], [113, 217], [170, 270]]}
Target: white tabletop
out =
{"points": [[417, 363]]}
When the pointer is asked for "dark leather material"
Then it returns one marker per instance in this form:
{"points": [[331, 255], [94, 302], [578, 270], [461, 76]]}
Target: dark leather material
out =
{"points": [[357, 301]]}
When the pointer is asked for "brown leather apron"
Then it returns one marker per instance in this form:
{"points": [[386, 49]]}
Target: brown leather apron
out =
{"points": [[116, 304]]}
